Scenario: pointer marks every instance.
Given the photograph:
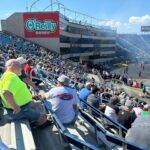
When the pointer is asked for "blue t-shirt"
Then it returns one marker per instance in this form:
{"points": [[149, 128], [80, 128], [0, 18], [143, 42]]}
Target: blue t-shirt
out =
{"points": [[84, 93]]}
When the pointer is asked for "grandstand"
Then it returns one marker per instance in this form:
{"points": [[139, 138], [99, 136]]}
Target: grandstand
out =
{"points": [[52, 42], [93, 133], [72, 38], [137, 44]]}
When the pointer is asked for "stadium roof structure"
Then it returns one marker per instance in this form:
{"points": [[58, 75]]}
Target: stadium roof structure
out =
{"points": [[75, 16]]}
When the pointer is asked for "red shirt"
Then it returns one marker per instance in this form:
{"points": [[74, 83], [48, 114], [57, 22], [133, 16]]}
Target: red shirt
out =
{"points": [[27, 69]]}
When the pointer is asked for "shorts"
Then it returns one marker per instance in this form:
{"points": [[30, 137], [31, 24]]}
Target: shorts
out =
{"points": [[26, 113]]}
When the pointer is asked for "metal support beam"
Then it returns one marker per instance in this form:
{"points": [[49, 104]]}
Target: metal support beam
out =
{"points": [[33, 4]]}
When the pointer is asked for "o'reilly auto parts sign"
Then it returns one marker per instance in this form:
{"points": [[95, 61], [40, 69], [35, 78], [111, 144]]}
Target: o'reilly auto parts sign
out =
{"points": [[35, 25], [40, 25]]}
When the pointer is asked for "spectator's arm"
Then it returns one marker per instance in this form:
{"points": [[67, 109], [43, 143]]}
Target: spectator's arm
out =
{"points": [[46, 95], [10, 99], [29, 82]]}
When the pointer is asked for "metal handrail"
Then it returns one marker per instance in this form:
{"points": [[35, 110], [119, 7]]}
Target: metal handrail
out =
{"points": [[121, 142], [113, 139], [63, 132], [92, 21], [117, 125], [33, 4]]}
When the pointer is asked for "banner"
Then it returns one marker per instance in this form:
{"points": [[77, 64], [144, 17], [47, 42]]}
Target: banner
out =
{"points": [[41, 25]]}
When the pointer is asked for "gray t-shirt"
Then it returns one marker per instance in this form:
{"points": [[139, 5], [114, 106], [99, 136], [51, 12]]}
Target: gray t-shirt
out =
{"points": [[139, 133], [62, 100], [93, 101]]}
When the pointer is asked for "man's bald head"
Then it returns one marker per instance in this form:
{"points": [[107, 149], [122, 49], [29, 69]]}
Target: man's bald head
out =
{"points": [[14, 66], [10, 63]]}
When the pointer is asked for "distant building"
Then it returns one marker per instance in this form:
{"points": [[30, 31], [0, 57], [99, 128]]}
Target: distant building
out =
{"points": [[71, 39]]}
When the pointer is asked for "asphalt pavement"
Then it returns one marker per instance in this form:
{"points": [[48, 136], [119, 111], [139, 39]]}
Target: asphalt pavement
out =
{"points": [[133, 72]]}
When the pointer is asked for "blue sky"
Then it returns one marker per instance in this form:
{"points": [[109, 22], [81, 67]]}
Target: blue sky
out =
{"points": [[126, 15]]}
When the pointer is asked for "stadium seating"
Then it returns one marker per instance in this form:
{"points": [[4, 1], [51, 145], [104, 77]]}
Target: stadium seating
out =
{"points": [[110, 137], [70, 135], [16, 135], [138, 45], [146, 40], [96, 126], [21, 133]]}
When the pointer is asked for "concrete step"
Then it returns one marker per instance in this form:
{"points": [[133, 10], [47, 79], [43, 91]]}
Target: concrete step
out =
{"points": [[48, 139], [17, 135]]}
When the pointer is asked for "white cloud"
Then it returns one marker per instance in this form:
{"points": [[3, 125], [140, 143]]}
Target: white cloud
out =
{"points": [[143, 20], [133, 25], [122, 27], [111, 23]]}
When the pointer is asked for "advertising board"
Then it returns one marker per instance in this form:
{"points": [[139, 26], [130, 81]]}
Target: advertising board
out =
{"points": [[41, 25]]}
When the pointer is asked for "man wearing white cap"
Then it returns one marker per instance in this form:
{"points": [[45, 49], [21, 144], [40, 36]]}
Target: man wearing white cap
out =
{"points": [[63, 100], [23, 76]]}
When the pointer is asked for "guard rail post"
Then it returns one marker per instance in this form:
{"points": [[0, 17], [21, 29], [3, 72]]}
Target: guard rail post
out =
{"points": [[120, 132]]}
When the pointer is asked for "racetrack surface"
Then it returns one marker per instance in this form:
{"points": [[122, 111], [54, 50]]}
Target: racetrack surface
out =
{"points": [[133, 72]]}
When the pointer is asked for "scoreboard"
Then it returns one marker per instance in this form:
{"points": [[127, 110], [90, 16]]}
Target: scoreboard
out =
{"points": [[145, 28]]}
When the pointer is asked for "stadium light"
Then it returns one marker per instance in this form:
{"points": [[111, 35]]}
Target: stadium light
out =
{"points": [[27, 5], [33, 4], [51, 5]]}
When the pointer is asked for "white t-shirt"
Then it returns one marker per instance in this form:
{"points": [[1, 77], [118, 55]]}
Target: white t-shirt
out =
{"points": [[110, 112], [62, 100]]}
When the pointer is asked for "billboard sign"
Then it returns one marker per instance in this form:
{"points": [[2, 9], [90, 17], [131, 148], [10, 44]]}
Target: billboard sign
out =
{"points": [[41, 25], [145, 28]]}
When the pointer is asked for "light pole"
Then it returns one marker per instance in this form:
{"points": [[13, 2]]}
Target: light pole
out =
{"points": [[27, 5], [51, 5], [33, 4]]}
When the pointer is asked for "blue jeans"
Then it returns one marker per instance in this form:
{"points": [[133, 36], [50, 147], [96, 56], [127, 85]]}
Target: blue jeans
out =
{"points": [[26, 113]]}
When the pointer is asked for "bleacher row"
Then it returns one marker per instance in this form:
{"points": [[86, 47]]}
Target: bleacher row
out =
{"points": [[137, 45], [111, 141], [101, 134], [140, 41], [18, 135]]}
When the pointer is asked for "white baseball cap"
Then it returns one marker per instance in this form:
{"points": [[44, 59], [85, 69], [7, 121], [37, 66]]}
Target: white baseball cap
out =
{"points": [[88, 84], [64, 80], [21, 60]]}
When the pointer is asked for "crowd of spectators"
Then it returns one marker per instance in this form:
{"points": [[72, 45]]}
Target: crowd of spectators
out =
{"points": [[39, 58], [116, 104], [30, 66], [130, 112]]}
